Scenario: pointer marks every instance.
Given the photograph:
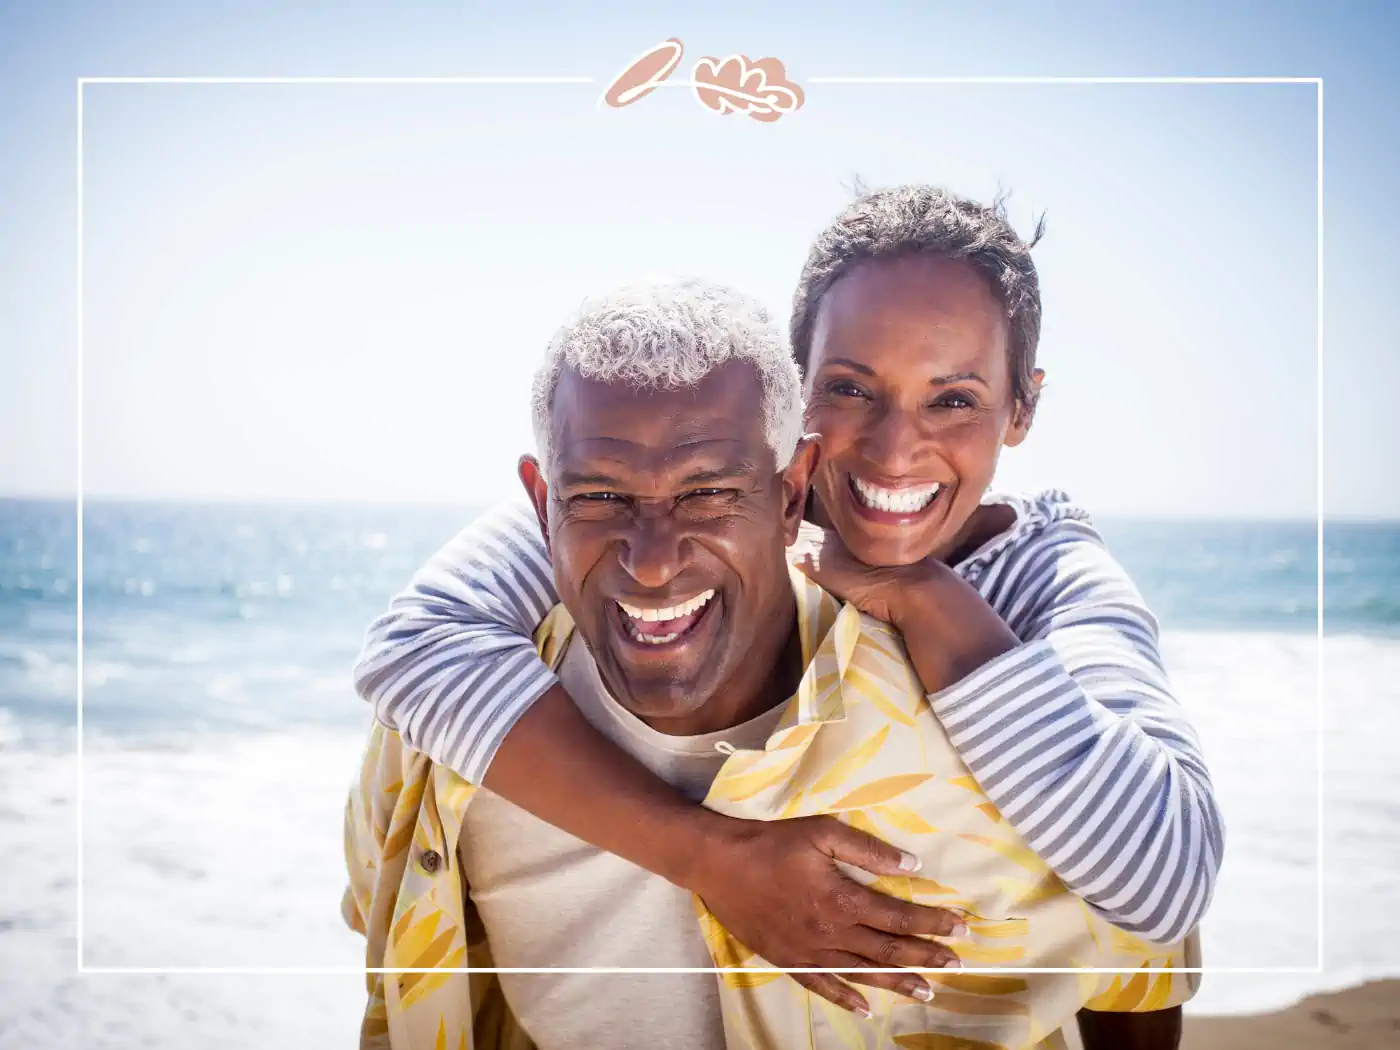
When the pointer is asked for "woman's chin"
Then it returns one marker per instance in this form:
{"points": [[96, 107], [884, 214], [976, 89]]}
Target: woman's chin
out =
{"points": [[886, 538], [886, 551]]}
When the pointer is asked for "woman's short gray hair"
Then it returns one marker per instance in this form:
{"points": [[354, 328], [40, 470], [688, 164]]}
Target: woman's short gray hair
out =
{"points": [[670, 334]]}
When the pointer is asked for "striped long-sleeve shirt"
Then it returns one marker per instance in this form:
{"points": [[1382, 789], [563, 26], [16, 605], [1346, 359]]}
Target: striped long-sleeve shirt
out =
{"points": [[1074, 735]]}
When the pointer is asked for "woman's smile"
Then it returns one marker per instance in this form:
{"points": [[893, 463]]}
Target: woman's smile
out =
{"points": [[906, 503]]}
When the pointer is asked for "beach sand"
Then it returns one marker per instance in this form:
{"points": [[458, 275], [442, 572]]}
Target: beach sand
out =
{"points": [[1366, 1017]]}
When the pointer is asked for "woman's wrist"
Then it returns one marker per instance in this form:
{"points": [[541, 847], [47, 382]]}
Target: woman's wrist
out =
{"points": [[690, 843], [948, 628], [917, 595], [628, 811]]}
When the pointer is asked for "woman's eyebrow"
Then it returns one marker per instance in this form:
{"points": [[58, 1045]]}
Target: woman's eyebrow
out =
{"points": [[854, 366], [948, 380]]}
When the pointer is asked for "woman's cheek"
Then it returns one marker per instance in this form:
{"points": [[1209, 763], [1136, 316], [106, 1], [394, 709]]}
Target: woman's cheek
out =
{"points": [[973, 454], [837, 429]]}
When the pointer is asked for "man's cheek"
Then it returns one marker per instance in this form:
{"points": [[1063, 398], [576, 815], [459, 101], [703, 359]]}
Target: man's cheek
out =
{"points": [[757, 524], [570, 572]]}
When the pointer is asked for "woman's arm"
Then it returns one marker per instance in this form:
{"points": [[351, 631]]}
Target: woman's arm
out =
{"points": [[1064, 715], [452, 668]]}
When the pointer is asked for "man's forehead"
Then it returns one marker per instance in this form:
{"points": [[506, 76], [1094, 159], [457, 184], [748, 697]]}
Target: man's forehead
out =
{"points": [[703, 459], [723, 410], [716, 424]]}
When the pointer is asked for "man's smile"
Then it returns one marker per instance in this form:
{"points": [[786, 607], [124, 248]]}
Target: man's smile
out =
{"points": [[653, 628]]}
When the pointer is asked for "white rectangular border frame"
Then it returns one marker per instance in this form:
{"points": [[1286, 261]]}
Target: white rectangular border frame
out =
{"points": [[1317, 968]]}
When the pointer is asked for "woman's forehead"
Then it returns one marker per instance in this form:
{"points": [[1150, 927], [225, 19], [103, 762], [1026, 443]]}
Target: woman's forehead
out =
{"points": [[928, 312]]}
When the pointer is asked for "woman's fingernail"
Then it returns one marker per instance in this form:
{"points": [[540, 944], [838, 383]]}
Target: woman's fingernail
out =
{"points": [[923, 993], [909, 862], [960, 930], [953, 964], [865, 1012]]}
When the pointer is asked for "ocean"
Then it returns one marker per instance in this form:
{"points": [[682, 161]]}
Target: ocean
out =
{"points": [[221, 732]]}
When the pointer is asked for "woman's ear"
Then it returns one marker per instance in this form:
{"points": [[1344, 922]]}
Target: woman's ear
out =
{"points": [[1023, 414]]}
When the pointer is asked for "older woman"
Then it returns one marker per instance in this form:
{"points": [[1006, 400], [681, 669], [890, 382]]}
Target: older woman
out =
{"points": [[916, 322]]}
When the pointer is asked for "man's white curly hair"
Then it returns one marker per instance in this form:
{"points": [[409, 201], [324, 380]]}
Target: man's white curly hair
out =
{"points": [[670, 333]]}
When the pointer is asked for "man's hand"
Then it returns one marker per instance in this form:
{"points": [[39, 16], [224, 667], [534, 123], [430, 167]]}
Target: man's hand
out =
{"points": [[775, 886]]}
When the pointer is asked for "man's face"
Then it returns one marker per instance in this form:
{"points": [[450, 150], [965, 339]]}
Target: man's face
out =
{"points": [[667, 520]]}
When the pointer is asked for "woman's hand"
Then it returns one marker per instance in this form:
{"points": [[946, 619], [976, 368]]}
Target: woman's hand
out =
{"points": [[883, 593], [949, 630], [775, 886]]}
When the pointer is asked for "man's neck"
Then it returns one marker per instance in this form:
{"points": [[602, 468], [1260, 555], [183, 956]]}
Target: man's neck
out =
{"points": [[768, 677]]}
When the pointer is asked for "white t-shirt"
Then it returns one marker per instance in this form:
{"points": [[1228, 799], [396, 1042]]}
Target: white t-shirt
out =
{"points": [[548, 899]]}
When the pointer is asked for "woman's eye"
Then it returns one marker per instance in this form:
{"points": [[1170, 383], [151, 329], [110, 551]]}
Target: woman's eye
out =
{"points": [[845, 388], [955, 401]]}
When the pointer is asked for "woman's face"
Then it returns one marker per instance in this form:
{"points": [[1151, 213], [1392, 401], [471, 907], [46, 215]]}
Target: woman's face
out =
{"points": [[909, 385]]}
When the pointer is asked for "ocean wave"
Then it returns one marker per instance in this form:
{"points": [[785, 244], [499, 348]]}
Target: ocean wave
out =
{"points": [[178, 826]]}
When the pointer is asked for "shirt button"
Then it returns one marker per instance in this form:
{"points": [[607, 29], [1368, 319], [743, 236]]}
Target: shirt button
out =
{"points": [[431, 861]]}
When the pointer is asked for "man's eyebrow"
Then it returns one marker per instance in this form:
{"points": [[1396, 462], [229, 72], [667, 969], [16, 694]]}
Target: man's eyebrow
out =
{"points": [[730, 472], [572, 479]]}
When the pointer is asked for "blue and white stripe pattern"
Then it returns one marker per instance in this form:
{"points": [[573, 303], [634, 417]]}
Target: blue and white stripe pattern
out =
{"points": [[1075, 735]]}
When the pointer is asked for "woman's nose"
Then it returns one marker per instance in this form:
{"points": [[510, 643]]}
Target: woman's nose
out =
{"points": [[890, 442]]}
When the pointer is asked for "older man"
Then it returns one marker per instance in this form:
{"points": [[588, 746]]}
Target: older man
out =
{"points": [[670, 481]]}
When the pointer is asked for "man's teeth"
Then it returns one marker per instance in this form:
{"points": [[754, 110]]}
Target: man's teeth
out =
{"points": [[899, 501], [671, 612], [656, 639]]}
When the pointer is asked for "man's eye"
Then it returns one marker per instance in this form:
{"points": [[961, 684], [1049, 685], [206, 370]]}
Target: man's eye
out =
{"points": [[597, 497], [706, 499]]}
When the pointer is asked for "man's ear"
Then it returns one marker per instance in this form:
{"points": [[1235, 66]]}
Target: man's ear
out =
{"points": [[537, 488], [1022, 416], [797, 480]]}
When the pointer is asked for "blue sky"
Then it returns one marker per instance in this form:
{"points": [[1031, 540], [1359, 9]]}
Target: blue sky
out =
{"points": [[340, 292]]}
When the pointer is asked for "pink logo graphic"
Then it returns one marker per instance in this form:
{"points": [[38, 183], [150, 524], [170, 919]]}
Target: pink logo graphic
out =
{"points": [[737, 84]]}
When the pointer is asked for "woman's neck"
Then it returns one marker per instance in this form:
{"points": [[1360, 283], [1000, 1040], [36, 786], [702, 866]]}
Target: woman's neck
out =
{"points": [[986, 523]]}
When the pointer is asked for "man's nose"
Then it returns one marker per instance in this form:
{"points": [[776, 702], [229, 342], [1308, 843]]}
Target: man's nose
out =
{"points": [[652, 550]]}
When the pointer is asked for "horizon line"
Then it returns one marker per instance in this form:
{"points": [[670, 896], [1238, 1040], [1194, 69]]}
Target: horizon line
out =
{"points": [[233, 499]]}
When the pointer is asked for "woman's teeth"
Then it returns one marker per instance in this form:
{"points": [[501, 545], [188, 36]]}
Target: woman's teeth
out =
{"points": [[658, 635], [897, 501]]}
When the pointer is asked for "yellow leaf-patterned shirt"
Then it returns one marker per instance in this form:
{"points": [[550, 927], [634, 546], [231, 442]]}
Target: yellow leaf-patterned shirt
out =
{"points": [[858, 740]]}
